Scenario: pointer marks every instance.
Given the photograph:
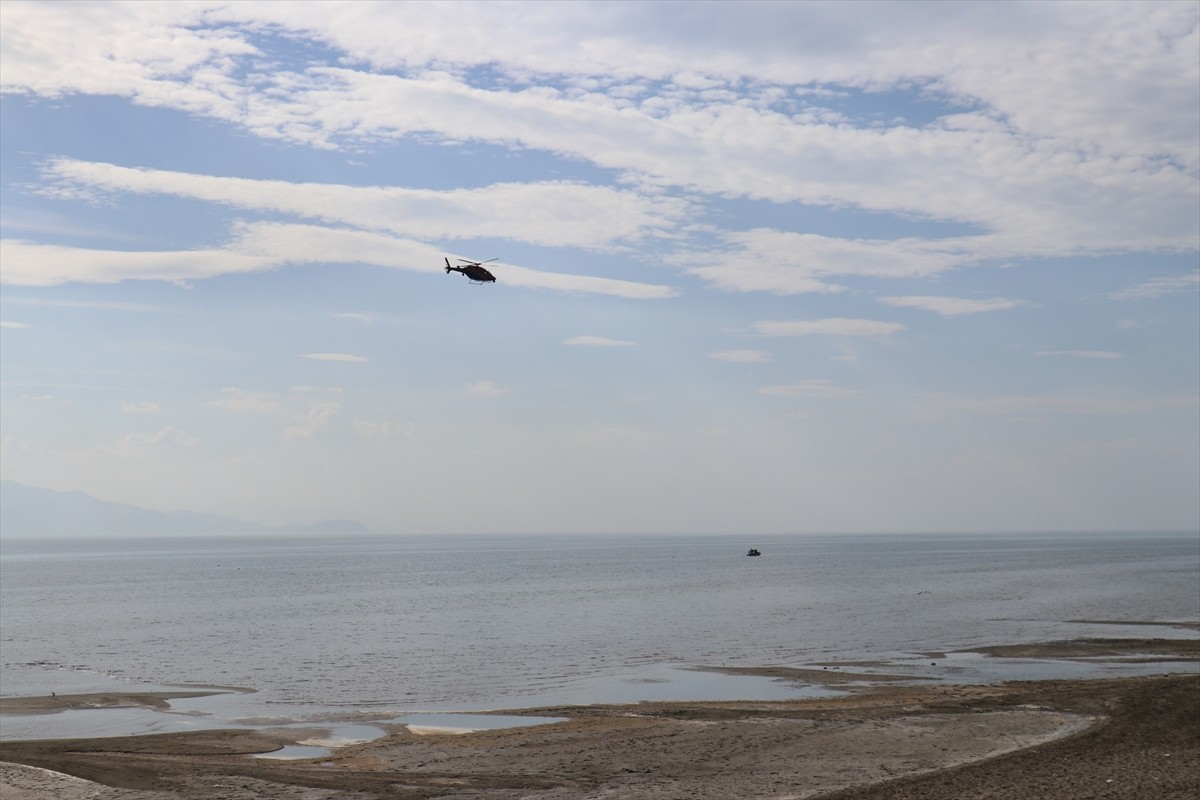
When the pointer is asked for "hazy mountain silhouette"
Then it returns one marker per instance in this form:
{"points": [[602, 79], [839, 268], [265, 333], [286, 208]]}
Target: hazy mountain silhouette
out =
{"points": [[33, 512]]}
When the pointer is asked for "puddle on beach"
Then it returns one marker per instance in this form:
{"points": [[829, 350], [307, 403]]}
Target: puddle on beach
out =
{"points": [[239, 709], [322, 745], [971, 667], [103, 722], [468, 723], [665, 683], [90, 723], [421, 724], [644, 683], [295, 752]]}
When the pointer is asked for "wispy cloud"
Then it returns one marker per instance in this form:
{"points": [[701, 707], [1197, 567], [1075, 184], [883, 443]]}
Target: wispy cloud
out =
{"points": [[235, 399], [951, 306], [483, 388], [740, 356], [144, 407], [265, 245], [777, 157], [384, 429], [1050, 404], [168, 435], [548, 213], [833, 326], [33, 264], [1159, 287], [614, 435], [785, 262], [1045, 158], [1096, 355], [313, 419], [809, 388], [46, 302], [12, 325], [596, 341], [334, 357]]}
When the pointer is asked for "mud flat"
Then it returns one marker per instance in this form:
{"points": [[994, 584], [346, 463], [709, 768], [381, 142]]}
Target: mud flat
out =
{"points": [[1117, 738]]}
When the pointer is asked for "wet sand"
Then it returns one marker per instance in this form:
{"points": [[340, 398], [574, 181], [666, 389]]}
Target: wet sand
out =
{"points": [[1120, 738], [72, 702]]}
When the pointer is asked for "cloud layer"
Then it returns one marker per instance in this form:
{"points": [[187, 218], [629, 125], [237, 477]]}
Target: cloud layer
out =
{"points": [[1056, 132]]}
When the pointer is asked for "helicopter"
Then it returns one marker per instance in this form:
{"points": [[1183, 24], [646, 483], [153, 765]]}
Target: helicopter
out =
{"points": [[474, 270]]}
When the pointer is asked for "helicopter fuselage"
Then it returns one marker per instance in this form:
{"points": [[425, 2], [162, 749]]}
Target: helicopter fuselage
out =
{"points": [[475, 273]]}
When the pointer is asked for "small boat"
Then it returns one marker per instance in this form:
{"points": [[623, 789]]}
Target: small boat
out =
{"points": [[753, 552]]}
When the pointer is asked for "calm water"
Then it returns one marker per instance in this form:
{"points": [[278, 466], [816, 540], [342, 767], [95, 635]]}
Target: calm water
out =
{"points": [[328, 626]]}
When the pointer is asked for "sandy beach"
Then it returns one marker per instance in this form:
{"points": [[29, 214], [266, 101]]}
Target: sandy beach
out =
{"points": [[1118, 738]]}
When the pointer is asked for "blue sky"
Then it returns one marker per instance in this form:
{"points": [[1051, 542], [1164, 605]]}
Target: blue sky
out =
{"points": [[762, 267]]}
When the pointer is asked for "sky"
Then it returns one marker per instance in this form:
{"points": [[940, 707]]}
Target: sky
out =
{"points": [[779, 267]]}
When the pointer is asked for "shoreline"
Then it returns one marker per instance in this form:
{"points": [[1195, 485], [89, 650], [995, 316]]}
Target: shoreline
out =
{"points": [[1119, 738], [154, 701], [883, 737]]}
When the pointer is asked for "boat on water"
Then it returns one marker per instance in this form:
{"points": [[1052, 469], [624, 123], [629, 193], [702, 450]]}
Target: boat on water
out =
{"points": [[753, 552]]}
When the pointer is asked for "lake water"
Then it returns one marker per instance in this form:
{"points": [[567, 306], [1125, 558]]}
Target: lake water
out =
{"points": [[362, 627]]}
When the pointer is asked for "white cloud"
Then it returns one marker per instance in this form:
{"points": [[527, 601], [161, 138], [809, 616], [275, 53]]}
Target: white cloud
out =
{"points": [[1015, 58], [12, 325], [482, 388], [740, 356], [810, 388], [834, 326], [168, 435], [1096, 355], [989, 172], [356, 316], [580, 284], [140, 50], [951, 306], [596, 341], [1159, 287], [1050, 404], [44, 302], [266, 245], [334, 357], [32, 264], [144, 407], [549, 213], [385, 429], [782, 262], [1062, 146], [617, 436], [311, 420], [235, 399]]}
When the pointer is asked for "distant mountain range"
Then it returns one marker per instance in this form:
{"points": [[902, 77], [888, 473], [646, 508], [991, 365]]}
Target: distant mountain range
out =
{"points": [[32, 512]]}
